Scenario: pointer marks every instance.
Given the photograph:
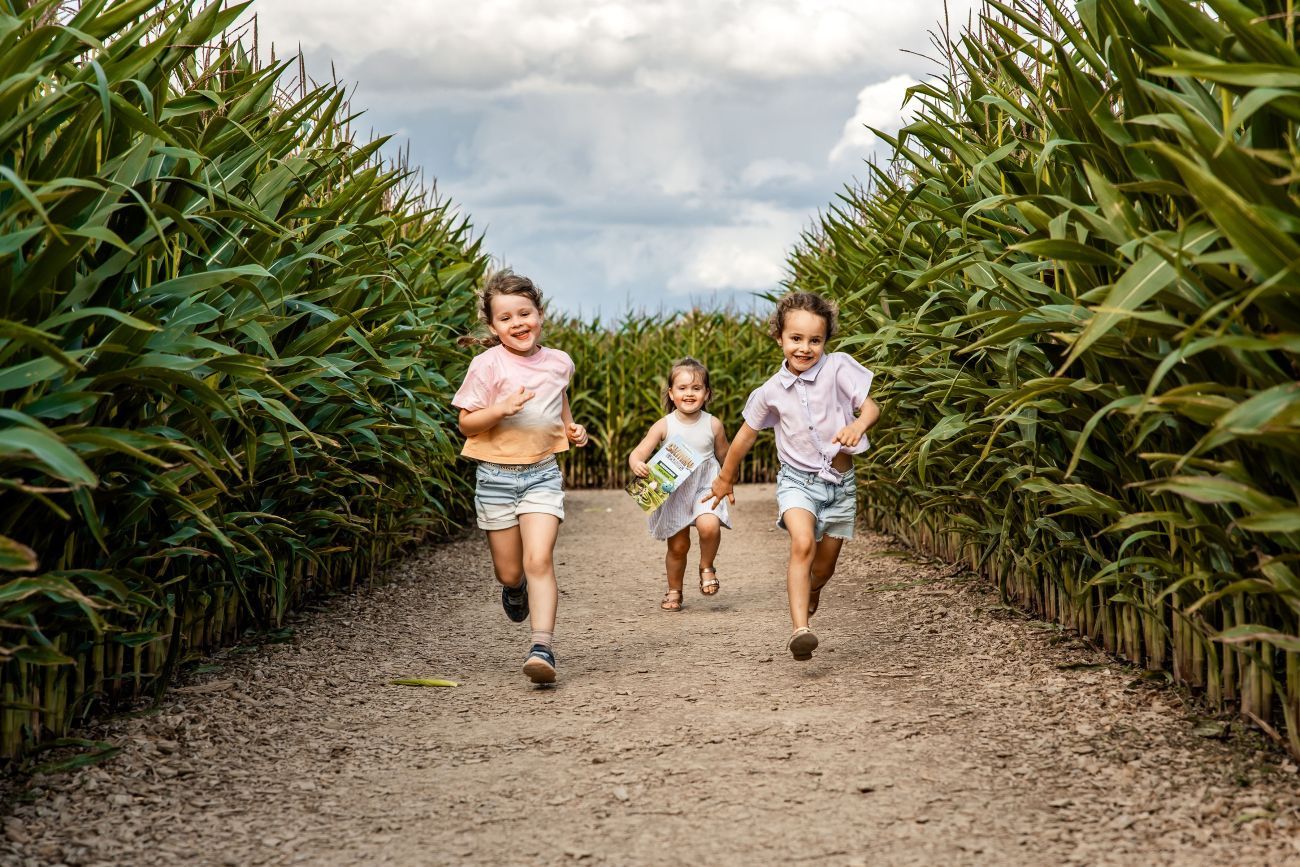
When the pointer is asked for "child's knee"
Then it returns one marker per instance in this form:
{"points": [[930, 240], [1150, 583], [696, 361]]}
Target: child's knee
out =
{"points": [[508, 575], [680, 544], [709, 531], [537, 565], [802, 548]]}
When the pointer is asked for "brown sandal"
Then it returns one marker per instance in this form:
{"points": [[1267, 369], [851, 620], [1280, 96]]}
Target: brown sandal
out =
{"points": [[815, 597], [672, 601], [713, 585]]}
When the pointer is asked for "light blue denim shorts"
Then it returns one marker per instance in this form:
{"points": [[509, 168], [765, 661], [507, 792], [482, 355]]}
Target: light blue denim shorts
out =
{"points": [[503, 492], [834, 507]]}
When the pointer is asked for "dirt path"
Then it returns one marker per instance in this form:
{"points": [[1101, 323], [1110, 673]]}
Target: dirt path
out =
{"points": [[933, 726]]}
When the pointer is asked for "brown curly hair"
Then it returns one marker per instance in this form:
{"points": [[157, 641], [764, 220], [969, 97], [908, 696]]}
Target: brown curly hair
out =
{"points": [[502, 282], [809, 301], [701, 373]]}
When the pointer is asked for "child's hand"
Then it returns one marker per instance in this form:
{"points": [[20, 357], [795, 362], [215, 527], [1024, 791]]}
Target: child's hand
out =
{"points": [[515, 402], [719, 489], [849, 436], [577, 434], [640, 469]]}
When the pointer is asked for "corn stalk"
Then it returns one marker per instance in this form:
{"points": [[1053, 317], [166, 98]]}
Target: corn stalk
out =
{"points": [[1078, 286], [226, 350]]}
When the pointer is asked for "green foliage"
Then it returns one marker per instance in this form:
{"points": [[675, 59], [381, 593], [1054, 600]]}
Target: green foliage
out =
{"points": [[226, 348], [621, 371], [1078, 289]]}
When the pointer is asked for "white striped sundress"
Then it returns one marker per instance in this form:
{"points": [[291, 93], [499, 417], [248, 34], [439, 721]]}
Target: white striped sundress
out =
{"points": [[683, 505]]}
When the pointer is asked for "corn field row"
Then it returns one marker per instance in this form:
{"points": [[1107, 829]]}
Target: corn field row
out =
{"points": [[622, 371], [226, 350], [1078, 287], [226, 341]]}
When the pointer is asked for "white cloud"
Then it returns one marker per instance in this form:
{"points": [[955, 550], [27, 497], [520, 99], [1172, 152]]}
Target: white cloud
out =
{"points": [[763, 171], [748, 256], [880, 106], [625, 153], [503, 46]]}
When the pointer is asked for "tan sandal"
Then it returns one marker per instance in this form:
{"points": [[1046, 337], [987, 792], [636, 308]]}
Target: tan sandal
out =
{"points": [[802, 644], [672, 601], [711, 586]]}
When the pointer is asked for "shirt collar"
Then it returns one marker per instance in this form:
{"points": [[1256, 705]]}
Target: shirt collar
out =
{"points": [[787, 377]]}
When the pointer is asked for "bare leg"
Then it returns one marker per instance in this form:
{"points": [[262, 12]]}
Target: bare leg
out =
{"points": [[538, 531], [710, 530], [507, 549], [679, 545], [825, 557], [802, 527]]}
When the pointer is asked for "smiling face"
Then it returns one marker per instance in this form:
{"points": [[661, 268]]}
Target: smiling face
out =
{"points": [[803, 340], [688, 392], [517, 322]]}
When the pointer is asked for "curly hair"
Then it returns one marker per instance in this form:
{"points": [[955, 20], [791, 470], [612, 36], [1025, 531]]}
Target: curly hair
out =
{"points": [[701, 373], [809, 301], [502, 282]]}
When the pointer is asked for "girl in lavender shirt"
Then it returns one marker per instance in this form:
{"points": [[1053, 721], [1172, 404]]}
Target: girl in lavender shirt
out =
{"points": [[820, 406]]}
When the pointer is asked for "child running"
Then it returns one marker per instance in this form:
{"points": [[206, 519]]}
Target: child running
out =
{"points": [[685, 398], [819, 405], [514, 413]]}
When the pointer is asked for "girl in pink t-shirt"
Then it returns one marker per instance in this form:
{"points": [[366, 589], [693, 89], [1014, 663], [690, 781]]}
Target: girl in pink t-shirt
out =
{"points": [[514, 413]]}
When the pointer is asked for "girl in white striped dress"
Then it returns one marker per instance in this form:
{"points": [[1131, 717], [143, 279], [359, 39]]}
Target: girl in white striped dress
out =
{"points": [[685, 398]]}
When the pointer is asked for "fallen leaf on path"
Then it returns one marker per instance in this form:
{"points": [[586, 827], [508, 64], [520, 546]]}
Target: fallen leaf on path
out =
{"points": [[1252, 815], [201, 688], [1211, 729]]}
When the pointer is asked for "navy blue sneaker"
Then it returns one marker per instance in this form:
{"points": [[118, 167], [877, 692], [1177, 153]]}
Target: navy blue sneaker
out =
{"points": [[540, 665], [515, 601]]}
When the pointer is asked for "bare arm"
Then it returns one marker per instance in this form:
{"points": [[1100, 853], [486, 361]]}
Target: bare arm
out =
{"points": [[724, 484], [576, 433], [646, 448], [868, 415], [720, 444], [474, 422]]}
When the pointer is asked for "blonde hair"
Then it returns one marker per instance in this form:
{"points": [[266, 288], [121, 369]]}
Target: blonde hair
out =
{"points": [[701, 373], [810, 302], [495, 284]]}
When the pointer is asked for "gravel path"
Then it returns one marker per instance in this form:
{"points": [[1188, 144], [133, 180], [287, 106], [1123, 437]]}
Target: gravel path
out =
{"points": [[933, 726]]}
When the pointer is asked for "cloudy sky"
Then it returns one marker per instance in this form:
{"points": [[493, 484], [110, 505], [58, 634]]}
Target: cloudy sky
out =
{"points": [[627, 153]]}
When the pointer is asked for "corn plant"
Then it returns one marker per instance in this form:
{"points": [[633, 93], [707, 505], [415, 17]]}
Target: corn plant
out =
{"points": [[1077, 284], [621, 371], [226, 349]]}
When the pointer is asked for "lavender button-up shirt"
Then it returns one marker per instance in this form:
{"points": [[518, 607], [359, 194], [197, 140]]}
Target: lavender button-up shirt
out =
{"points": [[809, 409]]}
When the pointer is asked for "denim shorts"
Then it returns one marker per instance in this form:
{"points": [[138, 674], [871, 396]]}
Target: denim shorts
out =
{"points": [[503, 492], [834, 506]]}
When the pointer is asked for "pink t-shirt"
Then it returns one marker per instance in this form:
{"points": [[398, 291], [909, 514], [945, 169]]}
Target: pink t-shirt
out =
{"points": [[537, 430], [808, 410]]}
